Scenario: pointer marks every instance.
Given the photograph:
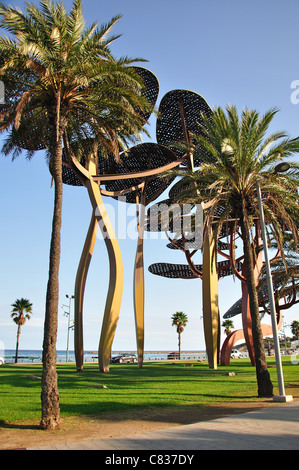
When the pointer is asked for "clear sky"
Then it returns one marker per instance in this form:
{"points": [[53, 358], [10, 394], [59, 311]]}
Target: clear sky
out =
{"points": [[239, 52]]}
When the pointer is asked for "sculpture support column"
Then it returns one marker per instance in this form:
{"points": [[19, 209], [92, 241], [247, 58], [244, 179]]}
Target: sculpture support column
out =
{"points": [[246, 315], [247, 322], [210, 299], [79, 290], [116, 278], [139, 282]]}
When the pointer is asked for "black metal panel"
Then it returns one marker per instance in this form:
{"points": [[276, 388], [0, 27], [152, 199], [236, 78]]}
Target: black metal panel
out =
{"points": [[151, 88], [183, 271], [180, 115], [141, 157]]}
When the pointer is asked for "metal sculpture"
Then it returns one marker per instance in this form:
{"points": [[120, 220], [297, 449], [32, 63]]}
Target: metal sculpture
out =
{"points": [[137, 177], [114, 295], [92, 172], [144, 163], [210, 272], [180, 115]]}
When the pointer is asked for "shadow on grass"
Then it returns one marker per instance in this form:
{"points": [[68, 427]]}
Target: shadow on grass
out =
{"points": [[182, 414], [5, 425]]}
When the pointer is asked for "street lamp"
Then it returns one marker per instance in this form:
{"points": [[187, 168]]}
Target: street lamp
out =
{"points": [[70, 297], [282, 397]]}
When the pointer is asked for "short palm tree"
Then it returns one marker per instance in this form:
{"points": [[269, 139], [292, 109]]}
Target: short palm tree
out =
{"points": [[61, 82], [21, 311], [179, 319], [295, 328], [227, 325], [236, 155]]}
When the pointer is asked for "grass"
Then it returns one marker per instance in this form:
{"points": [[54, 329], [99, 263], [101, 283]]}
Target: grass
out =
{"points": [[130, 389]]}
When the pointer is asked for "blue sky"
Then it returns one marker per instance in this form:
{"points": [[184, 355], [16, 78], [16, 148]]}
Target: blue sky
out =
{"points": [[244, 53]]}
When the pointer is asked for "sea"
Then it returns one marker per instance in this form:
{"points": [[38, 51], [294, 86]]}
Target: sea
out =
{"points": [[35, 356]]}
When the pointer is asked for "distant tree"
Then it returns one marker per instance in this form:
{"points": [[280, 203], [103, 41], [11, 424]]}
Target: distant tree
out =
{"points": [[179, 319], [269, 344], [227, 324], [22, 311], [295, 328]]}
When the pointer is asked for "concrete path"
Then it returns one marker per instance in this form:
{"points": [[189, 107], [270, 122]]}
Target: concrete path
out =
{"points": [[275, 428]]}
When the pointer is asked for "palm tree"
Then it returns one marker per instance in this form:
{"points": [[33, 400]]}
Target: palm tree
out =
{"points": [[22, 311], [236, 154], [227, 324], [295, 328], [179, 319], [61, 82]]}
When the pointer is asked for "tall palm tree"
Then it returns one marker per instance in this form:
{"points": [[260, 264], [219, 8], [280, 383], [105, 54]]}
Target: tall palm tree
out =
{"points": [[61, 82], [179, 319], [236, 154], [21, 311]]}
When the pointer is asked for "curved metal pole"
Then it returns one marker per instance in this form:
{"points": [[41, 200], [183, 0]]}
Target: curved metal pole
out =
{"points": [[237, 335], [210, 299], [79, 290], [246, 315], [114, 296], [139, 174], [139, 281]]}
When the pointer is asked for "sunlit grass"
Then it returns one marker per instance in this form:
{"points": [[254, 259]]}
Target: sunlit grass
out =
{"points": [[128, 389]]}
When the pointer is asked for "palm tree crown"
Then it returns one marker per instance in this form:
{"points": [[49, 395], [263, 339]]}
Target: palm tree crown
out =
{"points": [[21, 311], [235, 155], [180, 320], [227, 325]]}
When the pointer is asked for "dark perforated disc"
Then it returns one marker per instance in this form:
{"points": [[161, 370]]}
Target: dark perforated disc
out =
{"points": [[183, 271], [179, 116], [142, 157], [151, 89], [263, 296], [173, 271]]}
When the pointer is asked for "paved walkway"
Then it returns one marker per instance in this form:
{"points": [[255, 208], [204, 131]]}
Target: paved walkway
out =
{"points": [[274, 428]]}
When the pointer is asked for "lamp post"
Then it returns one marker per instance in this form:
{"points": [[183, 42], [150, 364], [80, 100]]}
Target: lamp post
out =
{"points": [[282, 397], [70, 297]]}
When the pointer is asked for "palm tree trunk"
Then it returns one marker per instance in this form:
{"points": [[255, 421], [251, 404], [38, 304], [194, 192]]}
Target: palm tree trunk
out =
{"points": [[179, 334], [265, 387], [17, 345], [49, 396]]}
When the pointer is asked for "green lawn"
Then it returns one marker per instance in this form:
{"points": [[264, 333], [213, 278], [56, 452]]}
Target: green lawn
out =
{"points": [[130, 388]]}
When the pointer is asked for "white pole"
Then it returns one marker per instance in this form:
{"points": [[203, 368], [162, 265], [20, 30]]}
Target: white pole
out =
{"points": [[282, 396]]}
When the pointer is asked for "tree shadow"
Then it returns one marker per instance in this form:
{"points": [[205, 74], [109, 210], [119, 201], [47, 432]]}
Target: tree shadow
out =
{"points": [[5, 425]]}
